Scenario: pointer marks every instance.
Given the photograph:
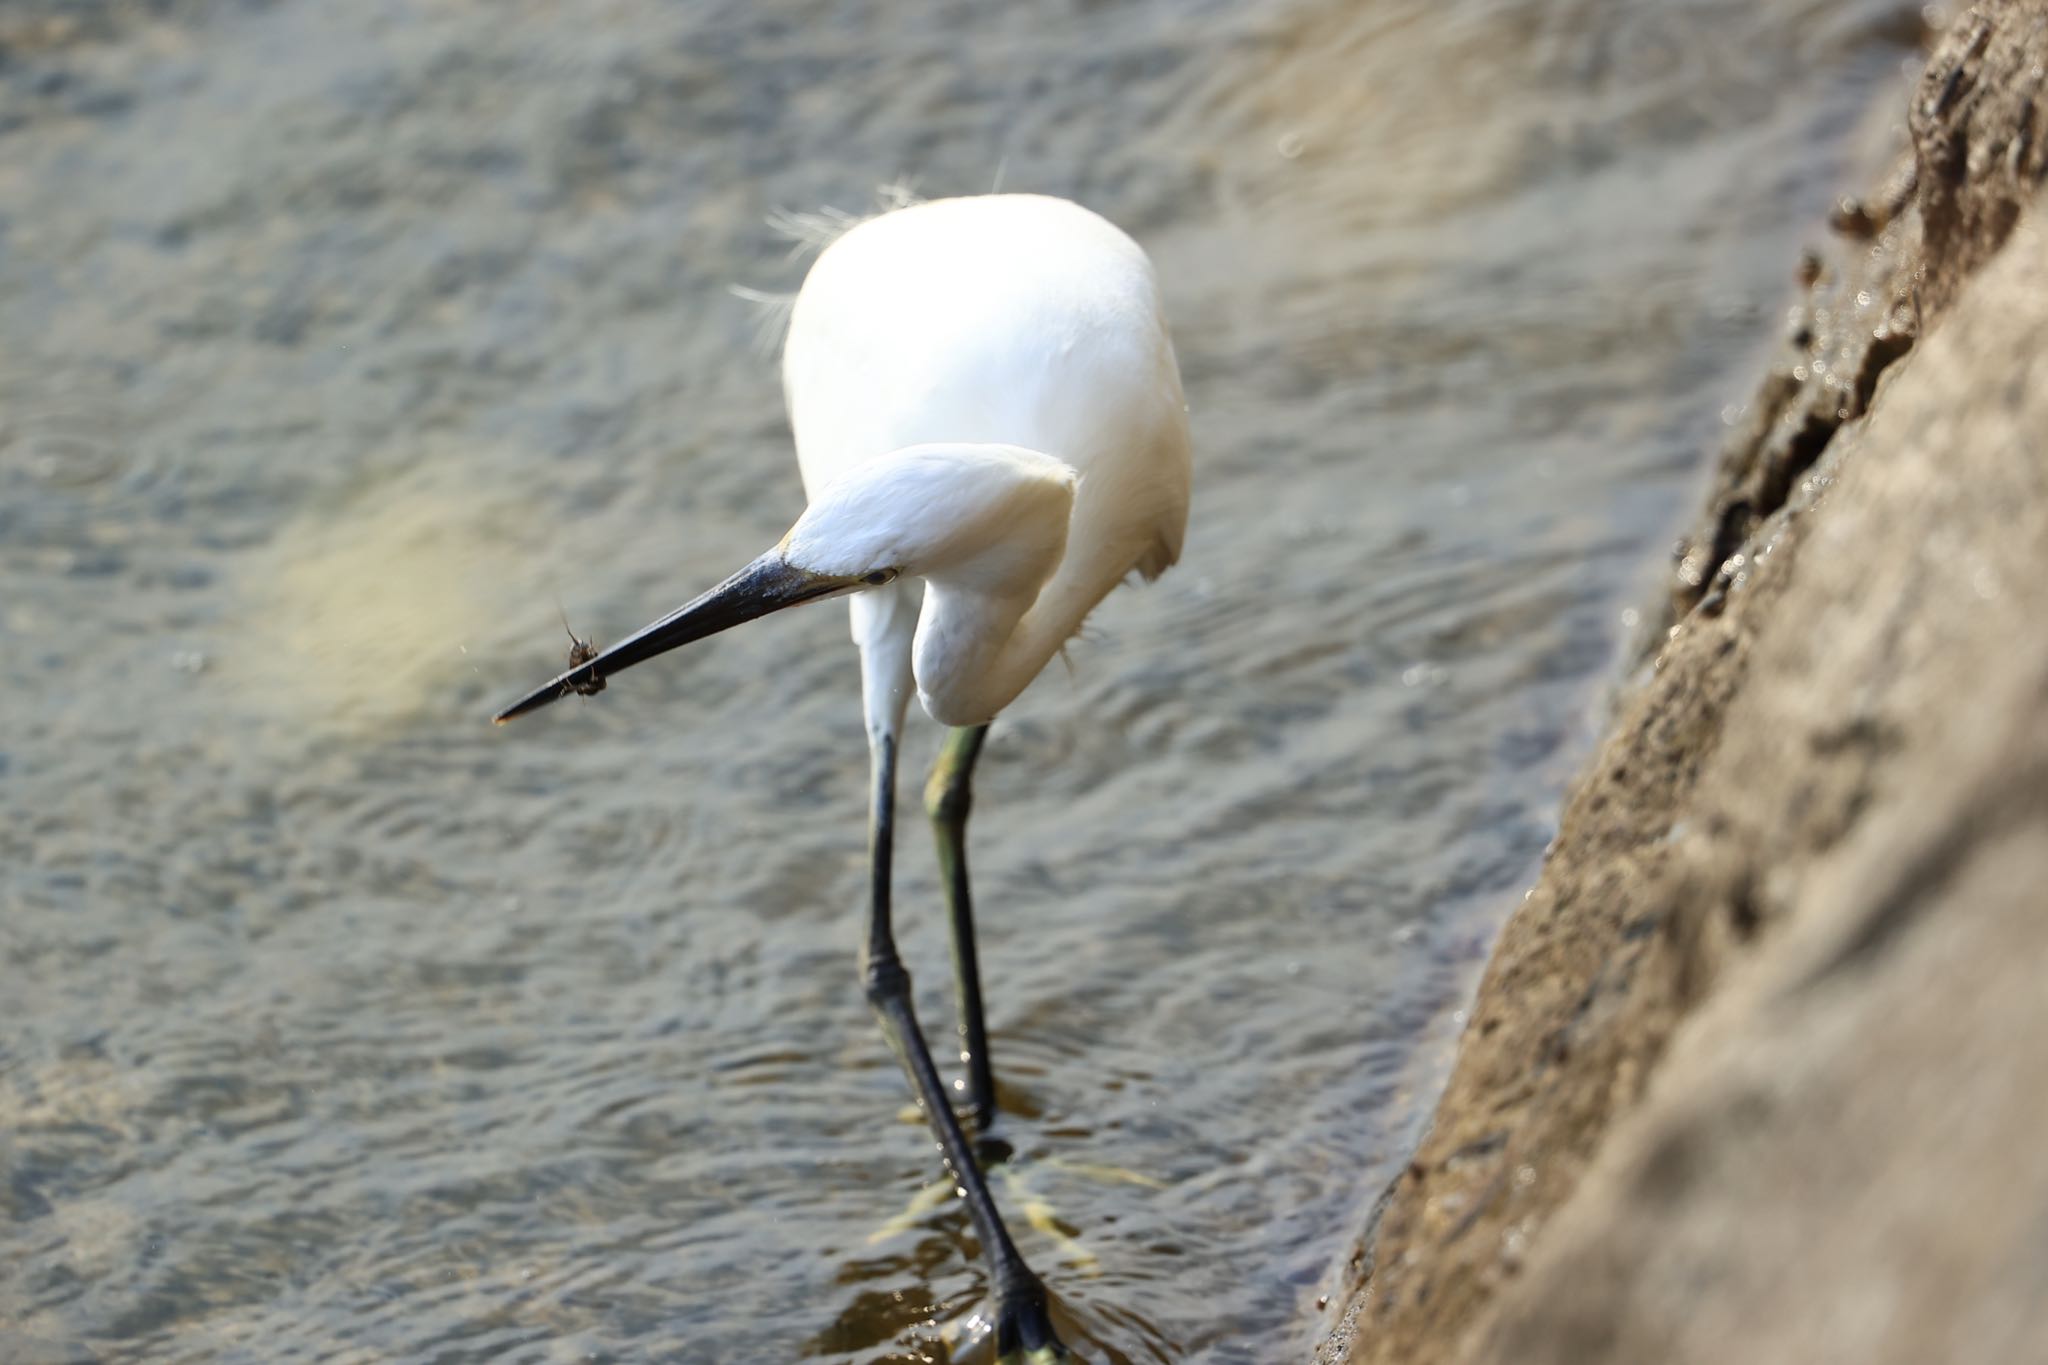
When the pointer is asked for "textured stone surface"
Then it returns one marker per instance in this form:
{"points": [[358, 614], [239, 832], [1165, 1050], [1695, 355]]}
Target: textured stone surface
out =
{"points": [[1808, 857], [1841, 1156], [1979, 126]]}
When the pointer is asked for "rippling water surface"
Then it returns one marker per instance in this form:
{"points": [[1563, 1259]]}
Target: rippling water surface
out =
{"points": [[340, 342]]}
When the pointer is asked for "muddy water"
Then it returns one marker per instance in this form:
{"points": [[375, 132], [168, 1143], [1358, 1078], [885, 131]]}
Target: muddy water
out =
{"points": [[340, 343]]}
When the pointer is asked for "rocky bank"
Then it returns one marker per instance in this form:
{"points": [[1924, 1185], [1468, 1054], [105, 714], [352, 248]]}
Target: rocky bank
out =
{"points": [[1759, 1070]]}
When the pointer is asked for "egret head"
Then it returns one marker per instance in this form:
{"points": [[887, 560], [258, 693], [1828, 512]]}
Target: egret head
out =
{"points": [[994, 515], [991, 517]]}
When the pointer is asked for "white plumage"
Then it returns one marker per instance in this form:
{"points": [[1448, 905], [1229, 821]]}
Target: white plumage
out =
{"points": [[1014, 320], [990, 425]]}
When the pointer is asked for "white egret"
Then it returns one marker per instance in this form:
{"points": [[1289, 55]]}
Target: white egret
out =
{"points": [[991, 431]]}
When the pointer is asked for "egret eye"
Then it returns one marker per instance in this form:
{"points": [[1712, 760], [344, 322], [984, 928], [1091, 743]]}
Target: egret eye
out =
{"points": [[878, 577]]}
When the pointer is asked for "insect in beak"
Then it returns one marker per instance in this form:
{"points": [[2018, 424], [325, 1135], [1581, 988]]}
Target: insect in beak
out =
{"points": [[769, 584], [581, 652]]}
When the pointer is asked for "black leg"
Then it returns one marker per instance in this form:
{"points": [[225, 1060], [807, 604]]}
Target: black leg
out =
{"points": [[948, 797], [1023, 1325]]}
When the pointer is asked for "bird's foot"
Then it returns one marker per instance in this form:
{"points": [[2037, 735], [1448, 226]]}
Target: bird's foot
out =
{"points": [[990, 1151], [1024, 1330]]}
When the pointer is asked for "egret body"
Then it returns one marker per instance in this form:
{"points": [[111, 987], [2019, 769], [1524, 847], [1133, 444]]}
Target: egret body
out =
{"points": [[989, 422]]}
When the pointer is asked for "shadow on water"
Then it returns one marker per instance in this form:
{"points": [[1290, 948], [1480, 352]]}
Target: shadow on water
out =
{"points": [[343, 342]]}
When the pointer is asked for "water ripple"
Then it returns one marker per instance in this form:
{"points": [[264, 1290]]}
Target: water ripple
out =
{"points": [[349, 345]]}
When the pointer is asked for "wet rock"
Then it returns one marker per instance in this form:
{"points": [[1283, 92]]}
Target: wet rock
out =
{"points": [[1839, 1157], [1978, 119], [1756, 1074]]}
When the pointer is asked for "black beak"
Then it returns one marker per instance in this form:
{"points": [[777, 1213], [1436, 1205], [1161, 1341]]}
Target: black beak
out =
{"points": [[767, 585]]}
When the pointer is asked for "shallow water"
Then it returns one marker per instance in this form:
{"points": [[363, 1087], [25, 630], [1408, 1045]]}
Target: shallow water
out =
{"points": [[339, 342]]}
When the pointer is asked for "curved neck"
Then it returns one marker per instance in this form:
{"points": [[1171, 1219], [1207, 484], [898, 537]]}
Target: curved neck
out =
{"points": [[977, 649], [988, 529]]}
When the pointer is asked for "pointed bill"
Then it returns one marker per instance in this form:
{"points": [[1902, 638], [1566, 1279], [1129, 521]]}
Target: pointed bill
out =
{"points": [[769, 584]]}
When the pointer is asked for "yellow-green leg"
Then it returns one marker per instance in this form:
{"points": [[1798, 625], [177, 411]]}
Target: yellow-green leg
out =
{"points": [[948, 796]]}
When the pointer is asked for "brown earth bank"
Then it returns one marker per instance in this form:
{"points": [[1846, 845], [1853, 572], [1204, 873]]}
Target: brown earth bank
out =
{"points": [[1759, 1070]]}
